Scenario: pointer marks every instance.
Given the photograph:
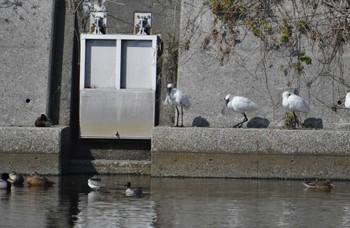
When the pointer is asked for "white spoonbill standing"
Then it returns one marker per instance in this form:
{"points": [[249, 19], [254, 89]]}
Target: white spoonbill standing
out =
{"points": [[177, 98], [294, 103], [239, 104], [347, 100]]}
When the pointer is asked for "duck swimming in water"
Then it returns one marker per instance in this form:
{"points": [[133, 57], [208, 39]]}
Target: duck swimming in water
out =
{"points": [[35, 179], [321, 185], [95, 183], [4, 183], [43, 121], [16, 179], [132, 191]]}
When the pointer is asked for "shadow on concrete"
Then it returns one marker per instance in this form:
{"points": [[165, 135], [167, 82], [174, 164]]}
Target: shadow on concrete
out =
{"points": [[200, 122], [258, 122], [315, 123], [55, 77]]}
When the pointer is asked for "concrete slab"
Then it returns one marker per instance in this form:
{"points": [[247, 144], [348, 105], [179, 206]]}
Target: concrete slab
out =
{"points": [[250, 153], [103, 166], [26, 149]]}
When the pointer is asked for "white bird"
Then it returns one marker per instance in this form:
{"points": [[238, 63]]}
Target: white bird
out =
{"points": [[347, 100], [239, 104], [95, 183], [176, 97], [132, 191], [294, 103]]}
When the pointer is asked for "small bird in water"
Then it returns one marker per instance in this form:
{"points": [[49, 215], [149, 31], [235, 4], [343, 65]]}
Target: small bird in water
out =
{"points": [[294, 103], [4, 183], [16, 179], [35, 179], [43, 121], [239, 104], [320, 185], [176, 97], [95, 183], [132, 191]]}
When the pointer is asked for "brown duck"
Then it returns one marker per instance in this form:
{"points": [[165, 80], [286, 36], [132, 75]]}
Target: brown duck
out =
{"points": [[43, 121], [320, 185], [35, 179]]}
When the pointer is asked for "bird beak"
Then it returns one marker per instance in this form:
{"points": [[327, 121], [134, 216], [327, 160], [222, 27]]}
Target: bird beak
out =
{"points": [[224, 109], [167, 100]]}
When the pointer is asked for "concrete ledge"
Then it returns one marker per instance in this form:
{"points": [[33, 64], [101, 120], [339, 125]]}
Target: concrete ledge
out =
{"points": [[250, 153], [26, 149], [102, 166]]}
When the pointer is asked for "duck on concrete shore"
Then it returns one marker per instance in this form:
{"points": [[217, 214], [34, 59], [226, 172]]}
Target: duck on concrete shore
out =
{"points": [[43, 121]]}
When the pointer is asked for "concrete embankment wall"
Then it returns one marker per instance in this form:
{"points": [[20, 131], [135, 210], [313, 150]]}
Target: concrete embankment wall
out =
{"points": [[250, 153], [28, 149]]}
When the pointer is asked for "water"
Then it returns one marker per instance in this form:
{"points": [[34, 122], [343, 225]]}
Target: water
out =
{"points": [[175, 202]]}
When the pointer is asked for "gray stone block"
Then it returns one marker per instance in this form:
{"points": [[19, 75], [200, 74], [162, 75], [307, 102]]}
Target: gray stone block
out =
{"points": [[103, 166], [27, 149], [250, 153]]}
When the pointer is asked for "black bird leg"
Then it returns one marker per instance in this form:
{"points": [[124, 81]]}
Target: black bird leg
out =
{"points": [[182, 117], [296, 121], [239, 125], [245, 117], [177, 117]]}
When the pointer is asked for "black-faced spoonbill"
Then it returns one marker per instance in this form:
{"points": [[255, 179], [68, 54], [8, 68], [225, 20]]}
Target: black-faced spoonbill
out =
{"points": [[239, 104], [176, 97], [294, 103]]}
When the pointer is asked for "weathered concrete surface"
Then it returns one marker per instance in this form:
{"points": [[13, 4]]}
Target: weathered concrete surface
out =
{"points": [[103, 166], [25, 49], [207, 72], [250, 153], [27, 149]]}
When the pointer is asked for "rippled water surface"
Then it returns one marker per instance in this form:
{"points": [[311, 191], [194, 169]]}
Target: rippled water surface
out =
{"points": [[173, 202]]}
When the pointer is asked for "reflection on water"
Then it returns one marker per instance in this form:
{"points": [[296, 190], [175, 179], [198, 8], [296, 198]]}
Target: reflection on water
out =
{"points": [[115, 210], [175, 202]]}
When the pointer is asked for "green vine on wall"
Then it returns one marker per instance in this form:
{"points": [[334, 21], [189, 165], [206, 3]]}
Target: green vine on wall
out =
{"points": [[303, 33], [228, 10], [279, 29]]}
